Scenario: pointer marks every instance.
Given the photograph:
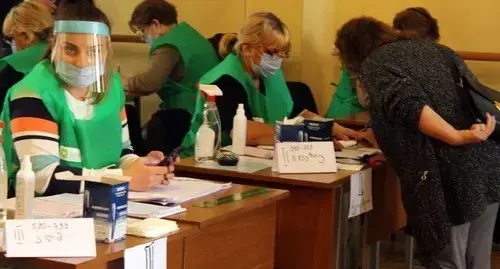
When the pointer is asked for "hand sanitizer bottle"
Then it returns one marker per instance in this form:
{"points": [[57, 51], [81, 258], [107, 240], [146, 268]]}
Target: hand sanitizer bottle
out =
{"points": [[239, 131], [208, 137], [4, 187], [205, 141], [25, 190]]}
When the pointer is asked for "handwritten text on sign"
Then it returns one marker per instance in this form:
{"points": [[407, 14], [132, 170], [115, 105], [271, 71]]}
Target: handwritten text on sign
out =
{"points": [[361, 193], [305, 157], [50, 238]]}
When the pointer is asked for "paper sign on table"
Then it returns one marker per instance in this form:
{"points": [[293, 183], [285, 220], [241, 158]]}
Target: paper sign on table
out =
{"points": [[361, 193], [152, 255], [50, 238], [305, 157]]}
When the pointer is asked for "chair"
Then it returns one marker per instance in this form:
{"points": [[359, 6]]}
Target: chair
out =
{"points": [[302, 97]]}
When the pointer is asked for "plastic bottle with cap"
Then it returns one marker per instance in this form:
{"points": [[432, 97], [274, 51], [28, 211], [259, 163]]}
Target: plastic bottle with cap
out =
{"points": [[4, 186], [239, 131], [208, 137], [25, 190]]}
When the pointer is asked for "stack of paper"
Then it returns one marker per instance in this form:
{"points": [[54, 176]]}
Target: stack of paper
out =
{"points": [[68, 205], [143, 211], [179, 190], [151, 227], [47, 209], [356, 153]]}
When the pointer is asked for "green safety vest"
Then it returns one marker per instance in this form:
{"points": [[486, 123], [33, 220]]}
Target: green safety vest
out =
{"points": [[198, 56], [23, 61], [344, 101], [95, 143], [276, 104]]}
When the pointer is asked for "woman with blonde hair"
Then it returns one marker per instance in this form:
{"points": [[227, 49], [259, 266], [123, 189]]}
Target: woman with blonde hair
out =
{"points": [[26, 28], [251, 74]]}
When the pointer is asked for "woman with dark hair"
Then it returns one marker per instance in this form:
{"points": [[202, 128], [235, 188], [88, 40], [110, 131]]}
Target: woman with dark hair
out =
{"points": [[418, 20], [68, 113], [448, 168]]}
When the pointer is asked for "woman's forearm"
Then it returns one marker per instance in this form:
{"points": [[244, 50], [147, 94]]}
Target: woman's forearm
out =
{"points": [[259, 134], [433, 125]]}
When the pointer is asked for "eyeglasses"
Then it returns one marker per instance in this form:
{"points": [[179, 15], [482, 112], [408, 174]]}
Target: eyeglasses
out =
{"points": [[7, 39], [276, 54]]}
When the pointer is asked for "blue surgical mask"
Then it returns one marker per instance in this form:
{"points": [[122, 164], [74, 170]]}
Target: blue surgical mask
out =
{"points": [[268, 66], [13, 46], [76, 76]]}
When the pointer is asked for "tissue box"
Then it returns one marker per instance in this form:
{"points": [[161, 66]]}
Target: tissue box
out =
{"points": [[289, 133], [318, 129], [106, 202]]}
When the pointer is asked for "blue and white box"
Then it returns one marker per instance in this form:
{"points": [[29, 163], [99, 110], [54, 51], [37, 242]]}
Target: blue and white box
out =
{"points": [[106, 202]]}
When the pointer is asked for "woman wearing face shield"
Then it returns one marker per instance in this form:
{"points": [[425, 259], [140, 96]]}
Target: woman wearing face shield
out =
{"points": [[26, 29], [68, 113], [251, 74]]}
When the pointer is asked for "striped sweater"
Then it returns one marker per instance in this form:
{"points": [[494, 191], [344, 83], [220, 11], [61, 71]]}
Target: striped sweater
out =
{"points": [[36, 133]]}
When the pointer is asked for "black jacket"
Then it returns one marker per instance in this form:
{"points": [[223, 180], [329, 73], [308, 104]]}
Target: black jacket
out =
{"points": [[442, 185]]}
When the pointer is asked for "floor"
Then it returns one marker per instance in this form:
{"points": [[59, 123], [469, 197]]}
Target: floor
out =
{"points": [[393, 256]]}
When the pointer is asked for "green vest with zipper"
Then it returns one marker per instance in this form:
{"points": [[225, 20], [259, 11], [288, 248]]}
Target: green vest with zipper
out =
{"points": [[276, 104], [93, 144], [198, 56], [23, 61]]}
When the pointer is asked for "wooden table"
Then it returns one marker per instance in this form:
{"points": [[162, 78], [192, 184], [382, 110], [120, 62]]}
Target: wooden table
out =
{"points": [[110, 256], [238, 234], [308, 222]]}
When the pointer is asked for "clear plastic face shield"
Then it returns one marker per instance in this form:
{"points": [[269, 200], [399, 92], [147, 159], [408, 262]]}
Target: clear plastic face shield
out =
{"points": [[81, 54]]}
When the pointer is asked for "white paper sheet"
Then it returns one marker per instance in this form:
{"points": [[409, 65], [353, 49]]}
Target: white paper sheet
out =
{"points": [[361, 193], [151, 255], [50, 238], [179, 190]]}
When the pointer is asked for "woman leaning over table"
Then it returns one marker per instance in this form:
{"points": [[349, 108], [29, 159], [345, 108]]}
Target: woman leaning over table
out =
{"points": [[251, 74], [68, 113], [448, 168]]}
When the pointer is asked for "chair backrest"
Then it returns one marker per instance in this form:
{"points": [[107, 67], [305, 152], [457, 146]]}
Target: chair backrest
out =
{"points": [[302, 97]]}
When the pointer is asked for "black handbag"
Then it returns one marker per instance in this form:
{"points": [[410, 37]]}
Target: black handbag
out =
{"points": [[479, 98]]}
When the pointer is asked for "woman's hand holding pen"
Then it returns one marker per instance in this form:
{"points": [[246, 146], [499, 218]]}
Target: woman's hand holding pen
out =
{"points": [[145, 173], [155, 157]]}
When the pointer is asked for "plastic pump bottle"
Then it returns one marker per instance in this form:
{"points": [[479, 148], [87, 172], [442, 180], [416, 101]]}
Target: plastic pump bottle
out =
{"points": [[25, 190], [4, 186], [239, 131]]}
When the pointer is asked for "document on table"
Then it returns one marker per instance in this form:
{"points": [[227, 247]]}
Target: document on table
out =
{"points": [[180, 189], [44, 209], [245, 165], [75, 202], [151, 255], [361, 193]]}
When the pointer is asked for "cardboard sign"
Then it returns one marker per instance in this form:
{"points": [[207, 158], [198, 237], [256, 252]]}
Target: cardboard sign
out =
{"points": [[305, 157], [361, 193], [151, 255], [50, 238]]}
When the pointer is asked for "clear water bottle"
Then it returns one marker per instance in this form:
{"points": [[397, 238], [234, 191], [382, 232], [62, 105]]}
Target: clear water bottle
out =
{"points": [[4, 186], [208, 138]]}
